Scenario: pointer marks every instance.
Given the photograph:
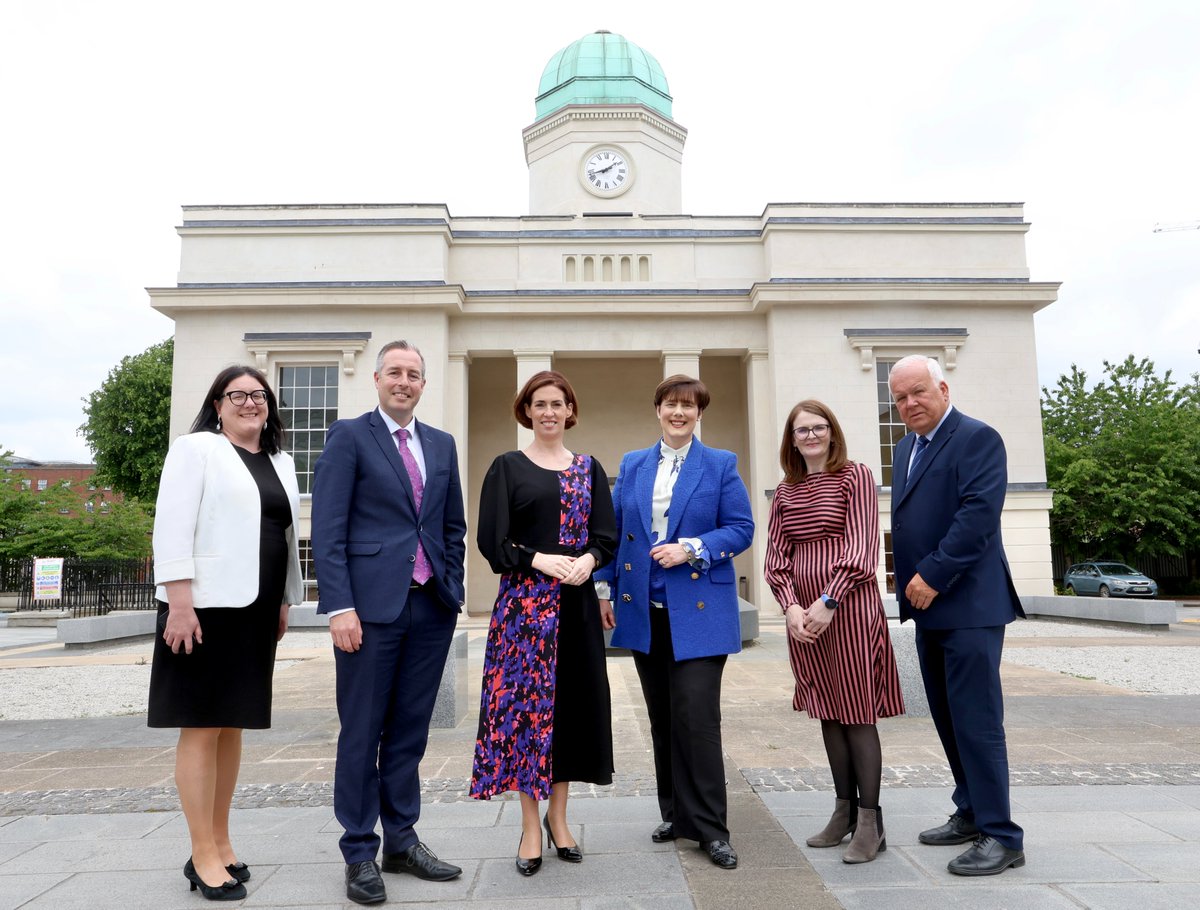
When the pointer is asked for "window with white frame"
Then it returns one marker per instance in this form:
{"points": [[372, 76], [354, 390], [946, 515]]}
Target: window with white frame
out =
{"points": [[308, 404]]}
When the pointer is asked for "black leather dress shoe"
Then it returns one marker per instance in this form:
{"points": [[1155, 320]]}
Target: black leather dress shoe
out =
{"points": [[663, 833], [956, 831], [721, 852], [987, 856], [420, 861], [364, 884]]}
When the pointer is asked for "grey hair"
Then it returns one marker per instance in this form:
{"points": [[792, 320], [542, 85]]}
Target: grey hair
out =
{"points": [[934, 368], [400, 345]]}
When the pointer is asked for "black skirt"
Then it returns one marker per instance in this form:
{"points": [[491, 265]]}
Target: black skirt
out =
{"points": [[226, 681]]}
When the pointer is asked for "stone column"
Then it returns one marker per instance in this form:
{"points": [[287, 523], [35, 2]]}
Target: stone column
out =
{"points": [[457, 386], [529, 363], [763, 469]]}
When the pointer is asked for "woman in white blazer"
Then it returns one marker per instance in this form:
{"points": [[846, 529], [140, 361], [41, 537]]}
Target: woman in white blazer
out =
{"points": [[227, 565]]}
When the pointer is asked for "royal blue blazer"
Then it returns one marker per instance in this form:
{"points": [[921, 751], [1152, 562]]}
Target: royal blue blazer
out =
{"points": [[708, 501], [946, 527]]}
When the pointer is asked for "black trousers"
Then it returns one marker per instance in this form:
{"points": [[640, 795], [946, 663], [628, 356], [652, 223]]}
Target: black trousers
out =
{"points": [[683, 699]]}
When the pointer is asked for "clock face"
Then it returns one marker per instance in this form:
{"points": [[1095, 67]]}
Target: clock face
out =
{"points": [[606, 172]]}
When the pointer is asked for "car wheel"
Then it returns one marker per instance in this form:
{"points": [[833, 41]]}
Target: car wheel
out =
{"points": [[1070, 590], [1104, 590]]}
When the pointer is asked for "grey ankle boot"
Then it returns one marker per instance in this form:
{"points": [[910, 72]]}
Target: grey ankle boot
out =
{"points": [[840, 824], [868, 837]]}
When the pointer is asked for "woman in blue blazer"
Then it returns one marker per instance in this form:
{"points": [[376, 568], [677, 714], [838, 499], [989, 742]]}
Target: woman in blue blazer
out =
{"points": [[682, 515]]}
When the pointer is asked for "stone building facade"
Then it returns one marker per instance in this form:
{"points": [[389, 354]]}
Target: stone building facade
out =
{"points": [[607, 280]]}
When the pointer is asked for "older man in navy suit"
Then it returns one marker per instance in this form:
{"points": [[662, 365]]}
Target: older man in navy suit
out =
{"points": [[949, 478], [388, 541]]}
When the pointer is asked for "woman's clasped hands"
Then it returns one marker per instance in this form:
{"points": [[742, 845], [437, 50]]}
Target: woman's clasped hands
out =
{"points": [[570, 570], [805, 624]]}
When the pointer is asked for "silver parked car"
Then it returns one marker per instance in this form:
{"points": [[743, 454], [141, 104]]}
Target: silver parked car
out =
{"points": [[1108, 579]]}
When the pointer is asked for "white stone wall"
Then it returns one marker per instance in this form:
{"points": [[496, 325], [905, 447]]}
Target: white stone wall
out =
{"points": [[765, 301]]}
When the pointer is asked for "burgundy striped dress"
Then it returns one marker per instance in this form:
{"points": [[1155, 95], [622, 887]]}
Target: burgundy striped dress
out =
{"points": [[823, 538]]}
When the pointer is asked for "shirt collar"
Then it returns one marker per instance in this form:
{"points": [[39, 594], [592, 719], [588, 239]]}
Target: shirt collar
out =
{"points": [[933, 432], [666, 452], [393, 426]]}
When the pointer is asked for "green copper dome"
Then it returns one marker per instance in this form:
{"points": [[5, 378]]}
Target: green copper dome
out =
{"points": [[602, 68]]}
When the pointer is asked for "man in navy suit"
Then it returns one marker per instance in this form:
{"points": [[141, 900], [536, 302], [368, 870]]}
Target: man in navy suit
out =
{"points": [[388, 533], [949, 478]]}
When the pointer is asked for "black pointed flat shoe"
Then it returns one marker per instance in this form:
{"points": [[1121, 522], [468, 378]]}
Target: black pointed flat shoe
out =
{"points": [[663, 833], [721, 853], [226, 891], [570, 854]]}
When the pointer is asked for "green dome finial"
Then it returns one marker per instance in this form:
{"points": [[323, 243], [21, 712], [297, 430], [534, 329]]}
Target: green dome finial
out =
{"points": [[602, 68]]}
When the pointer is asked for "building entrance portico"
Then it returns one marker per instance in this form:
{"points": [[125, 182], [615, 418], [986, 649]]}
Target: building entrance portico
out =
{"points": [[616, 404]]}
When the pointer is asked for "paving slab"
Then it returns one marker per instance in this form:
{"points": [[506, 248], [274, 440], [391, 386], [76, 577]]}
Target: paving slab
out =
{"points": [[1106, 784]]}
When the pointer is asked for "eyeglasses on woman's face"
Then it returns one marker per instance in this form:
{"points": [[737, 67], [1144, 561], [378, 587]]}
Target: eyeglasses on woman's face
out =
{"points": [[816, 432], [238, 397]]}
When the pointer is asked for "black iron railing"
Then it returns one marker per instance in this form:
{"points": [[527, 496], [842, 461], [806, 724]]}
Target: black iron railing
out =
{"points": [[94, 587]]}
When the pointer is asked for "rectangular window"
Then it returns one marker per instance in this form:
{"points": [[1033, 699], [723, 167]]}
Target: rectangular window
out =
{"points": [[891, 427], [308, 404], [308, 569], [42, 484], [889, 563]]}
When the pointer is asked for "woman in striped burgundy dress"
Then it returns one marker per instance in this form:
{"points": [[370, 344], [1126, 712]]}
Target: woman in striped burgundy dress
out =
{"points": [[822, 556]]}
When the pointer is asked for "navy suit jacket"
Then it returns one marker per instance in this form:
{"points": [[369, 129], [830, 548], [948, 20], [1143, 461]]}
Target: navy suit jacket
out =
{"points": [[946, 527], [365, 522], [708, 501]]}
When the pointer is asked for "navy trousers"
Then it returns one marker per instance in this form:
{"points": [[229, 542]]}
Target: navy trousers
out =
{"points": [[961, 669], [385, 696]]}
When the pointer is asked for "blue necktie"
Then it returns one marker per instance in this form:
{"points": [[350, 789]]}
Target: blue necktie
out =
{"points": [[922, 445]]}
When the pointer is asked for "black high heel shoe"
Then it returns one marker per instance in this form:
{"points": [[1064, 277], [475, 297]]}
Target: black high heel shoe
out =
{"points": [[569, 854], [227, 891], [527, 867], [239, 871]]}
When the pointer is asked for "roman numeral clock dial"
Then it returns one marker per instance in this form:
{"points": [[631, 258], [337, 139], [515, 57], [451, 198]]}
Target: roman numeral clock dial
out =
{"points": [[606, 172]]}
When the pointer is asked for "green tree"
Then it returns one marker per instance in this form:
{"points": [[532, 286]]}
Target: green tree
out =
{"points": [[129, 420], [55, 522], [1123, 459]]}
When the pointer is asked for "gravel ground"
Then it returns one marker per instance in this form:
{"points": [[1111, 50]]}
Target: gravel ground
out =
{"points": [[1160, 671], [57, 693], [96, 690]]}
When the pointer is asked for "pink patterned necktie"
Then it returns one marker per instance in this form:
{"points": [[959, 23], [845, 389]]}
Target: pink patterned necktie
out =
{"points": [[421, 571]]}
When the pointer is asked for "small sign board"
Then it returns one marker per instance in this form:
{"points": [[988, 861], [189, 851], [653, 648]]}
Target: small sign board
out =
{"points": [[48, 578]]}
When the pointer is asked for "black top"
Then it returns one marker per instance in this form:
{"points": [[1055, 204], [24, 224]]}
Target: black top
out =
{"points": [[520, 509]]}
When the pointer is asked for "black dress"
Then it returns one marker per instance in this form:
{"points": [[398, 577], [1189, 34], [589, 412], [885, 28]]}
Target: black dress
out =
{"points": [[226, 681], [545, 714]]}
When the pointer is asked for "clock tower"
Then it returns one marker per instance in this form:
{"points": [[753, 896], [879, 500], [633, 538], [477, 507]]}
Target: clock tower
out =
{"points": [[604, 140]]}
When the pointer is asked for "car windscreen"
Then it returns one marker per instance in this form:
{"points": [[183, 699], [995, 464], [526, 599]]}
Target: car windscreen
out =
{"points": [[1116, 568]]}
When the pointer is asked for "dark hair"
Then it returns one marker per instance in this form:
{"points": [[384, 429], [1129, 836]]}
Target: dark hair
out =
{"points": [[792, 462], [273, 433], [540, 381], [682, 388]]}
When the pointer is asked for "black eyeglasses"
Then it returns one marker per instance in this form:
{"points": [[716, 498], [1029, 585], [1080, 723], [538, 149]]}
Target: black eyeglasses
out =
{"points": [[238, 398], [816, 432]]}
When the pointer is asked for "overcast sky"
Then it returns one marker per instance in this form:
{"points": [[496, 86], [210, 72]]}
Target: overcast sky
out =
{"points": [[116, 114]]}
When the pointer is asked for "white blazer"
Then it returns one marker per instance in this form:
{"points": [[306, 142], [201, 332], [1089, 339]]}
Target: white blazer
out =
{"points": [[208, 520]]}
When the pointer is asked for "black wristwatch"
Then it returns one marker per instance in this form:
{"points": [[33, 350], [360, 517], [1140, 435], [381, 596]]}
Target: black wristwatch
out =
{"points": [[830, 603]]}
